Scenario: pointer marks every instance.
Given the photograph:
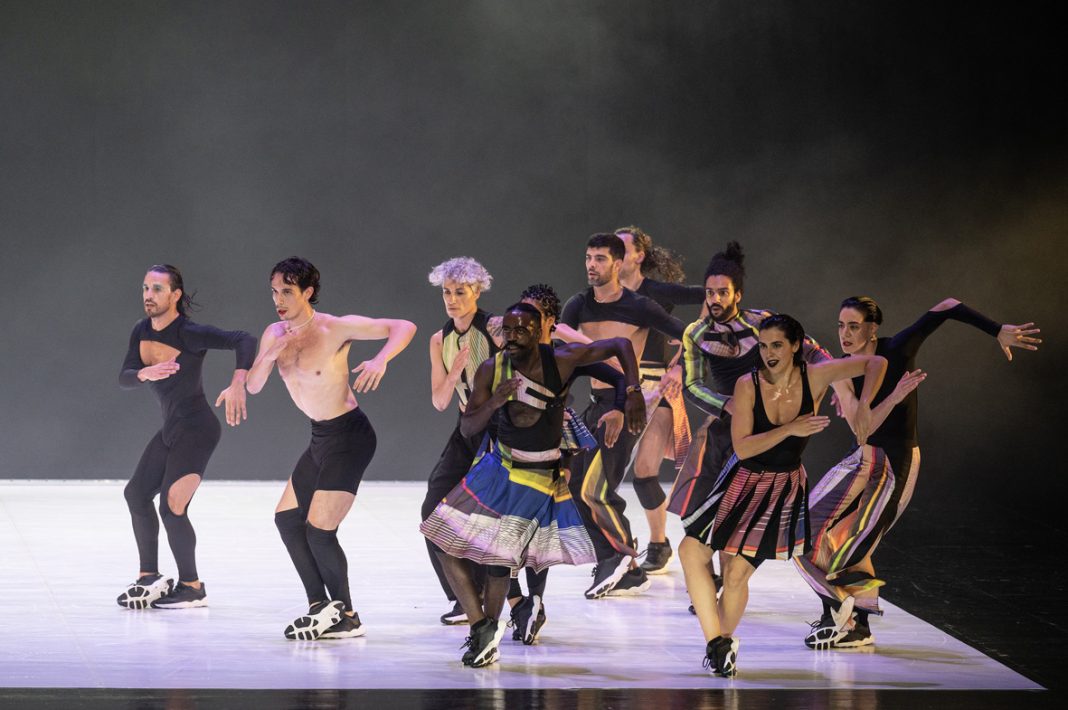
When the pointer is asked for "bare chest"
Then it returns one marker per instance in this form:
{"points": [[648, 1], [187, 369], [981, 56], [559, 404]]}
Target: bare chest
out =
{"points": [[781, 405], [153, 353], [310, 356]]}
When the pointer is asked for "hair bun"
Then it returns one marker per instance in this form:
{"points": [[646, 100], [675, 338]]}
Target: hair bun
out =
{"points": [[734, 253]]}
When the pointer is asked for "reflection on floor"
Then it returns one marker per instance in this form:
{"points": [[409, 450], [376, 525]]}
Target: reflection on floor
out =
{"points": [[68, 551]]}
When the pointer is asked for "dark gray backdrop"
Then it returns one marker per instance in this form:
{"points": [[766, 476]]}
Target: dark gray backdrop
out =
{"points": [[907, 152]]}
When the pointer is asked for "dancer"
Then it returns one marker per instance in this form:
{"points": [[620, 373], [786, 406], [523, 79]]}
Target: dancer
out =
{"points": [[857, 502], [513, 508], [668, 432], [456, 351], [717, 350], [758, 510], [311, 350], [167, 350], [607, 309]]}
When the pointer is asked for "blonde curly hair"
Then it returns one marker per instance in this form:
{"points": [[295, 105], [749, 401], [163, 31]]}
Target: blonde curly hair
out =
{"points": [[461, 269]]}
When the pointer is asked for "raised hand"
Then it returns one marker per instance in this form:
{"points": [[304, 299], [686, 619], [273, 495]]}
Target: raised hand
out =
{"points": [[234, 397], [460, 361], [612, 421], [808, 424], [161, 371], [670, 385], [1018, 336], [908, 382], [506, 389], [371, 372]]}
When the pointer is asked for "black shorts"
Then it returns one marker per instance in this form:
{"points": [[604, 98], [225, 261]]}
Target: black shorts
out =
{"points": [[340, 450], [190, 440]]}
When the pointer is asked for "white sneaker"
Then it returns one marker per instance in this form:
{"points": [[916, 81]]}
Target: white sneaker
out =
{"points": [[147, 589]]}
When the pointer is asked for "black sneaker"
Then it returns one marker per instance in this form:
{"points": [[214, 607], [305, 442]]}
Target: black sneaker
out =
{"points": [[455, 616], [721, 656], [348, 628], [183, 596], [147, 589], [633, 583], [859, 635], [321, 616], [831, 627], [528, 617], [482, 645], [657, 557], [606, 574]]}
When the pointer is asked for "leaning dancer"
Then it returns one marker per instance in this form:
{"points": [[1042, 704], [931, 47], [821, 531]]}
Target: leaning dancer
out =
{"points": [[311, 350], [456, 351], [758, 510], [607, 309], [513, 509], [857, 502], [668, 433], [167, 350]]}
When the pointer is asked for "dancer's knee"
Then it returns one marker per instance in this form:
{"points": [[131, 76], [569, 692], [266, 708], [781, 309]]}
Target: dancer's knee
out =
{"points": [[650, 493]]}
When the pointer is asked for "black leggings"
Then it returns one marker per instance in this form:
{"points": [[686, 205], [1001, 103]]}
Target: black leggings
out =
{"points": [[182, 447]]}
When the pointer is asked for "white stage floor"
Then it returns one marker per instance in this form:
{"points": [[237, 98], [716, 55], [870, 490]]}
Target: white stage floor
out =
{"points": [[68, 551]]}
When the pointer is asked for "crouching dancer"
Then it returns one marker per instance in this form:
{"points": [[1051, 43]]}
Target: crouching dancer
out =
{"points": [[312, 353], [513, 508]]}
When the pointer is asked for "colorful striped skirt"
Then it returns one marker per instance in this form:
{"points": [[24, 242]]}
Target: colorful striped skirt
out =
{"points": [[511, 513], [759, 514], [852, 507]]}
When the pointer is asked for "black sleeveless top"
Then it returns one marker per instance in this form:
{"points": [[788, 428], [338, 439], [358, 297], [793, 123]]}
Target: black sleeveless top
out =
{"points": [[544, 434], [786, 455]]}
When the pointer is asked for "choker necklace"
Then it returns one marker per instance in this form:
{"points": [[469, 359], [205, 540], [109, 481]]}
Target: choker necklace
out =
{"points": [[298, 327]]}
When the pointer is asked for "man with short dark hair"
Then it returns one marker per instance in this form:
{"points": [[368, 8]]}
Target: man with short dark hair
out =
{"points": [[311, 350]]}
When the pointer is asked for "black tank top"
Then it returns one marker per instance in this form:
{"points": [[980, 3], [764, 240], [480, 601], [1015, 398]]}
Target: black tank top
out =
{"points": [[786, 455]]}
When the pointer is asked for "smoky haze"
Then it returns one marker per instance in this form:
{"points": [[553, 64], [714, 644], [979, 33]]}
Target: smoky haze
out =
{"points": [[853, 148]]}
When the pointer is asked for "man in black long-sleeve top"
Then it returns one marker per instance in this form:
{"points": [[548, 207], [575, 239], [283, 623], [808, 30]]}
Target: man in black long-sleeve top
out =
{"points": [[167, 350]]}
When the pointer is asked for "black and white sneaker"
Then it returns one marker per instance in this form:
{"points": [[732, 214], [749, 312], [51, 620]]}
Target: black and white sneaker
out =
{"points": [[657, 557], [721, 656], [349, 627], [183, 596], [454, 617], [483, 643], [321, 616], [831, 627], [633, 583], [147, 589], [859, 635], [606, 574], [528, 617]]}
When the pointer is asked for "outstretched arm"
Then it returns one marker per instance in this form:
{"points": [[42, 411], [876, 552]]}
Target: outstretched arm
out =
{"points": [[574, 355], [397, 334], [1008, 336], [873, 367]]}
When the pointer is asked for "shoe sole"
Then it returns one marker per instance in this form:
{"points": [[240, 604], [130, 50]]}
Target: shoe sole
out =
{"points": [[534, 625], [195, 604], [867, 641], [339, 635], [311, 626], [482, 660], [152, 593], [630, 591], [824, 638], [454, 622], [609, 582]]}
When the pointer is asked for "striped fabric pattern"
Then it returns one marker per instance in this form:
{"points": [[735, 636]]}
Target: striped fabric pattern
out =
{"points": [[511, 514], [680, 423], [480, 351], [850, 510], [763, 515]]}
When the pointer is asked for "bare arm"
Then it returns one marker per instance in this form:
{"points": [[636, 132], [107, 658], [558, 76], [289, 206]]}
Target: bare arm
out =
{"points": [[483, 403], [396, 332], [274, 341], [443, 382], [574, 355], [873, 367], [847, 399]]}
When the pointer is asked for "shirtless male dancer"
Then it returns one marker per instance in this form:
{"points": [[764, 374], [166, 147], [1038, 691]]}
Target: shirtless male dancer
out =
{"points": [[167, 350], [456, 351], [311, 350], [652, 271], [608, 310]]}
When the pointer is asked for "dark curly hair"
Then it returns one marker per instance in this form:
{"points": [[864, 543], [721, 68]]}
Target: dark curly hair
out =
{"points": [[791, 328], [545, 296], [186, 302], [730, 263], [300, 273], [659, 263]]}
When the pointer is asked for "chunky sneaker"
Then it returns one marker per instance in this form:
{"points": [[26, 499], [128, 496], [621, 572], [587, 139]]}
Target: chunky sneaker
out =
{"points": [[528, 617], [147, 589], [183, 596], [349, 627], [721, 656], [454, 617], [634, 582], [321, 616], [859, 635], [831, 627], [483, 643], [657, 557], [606, 574]]}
